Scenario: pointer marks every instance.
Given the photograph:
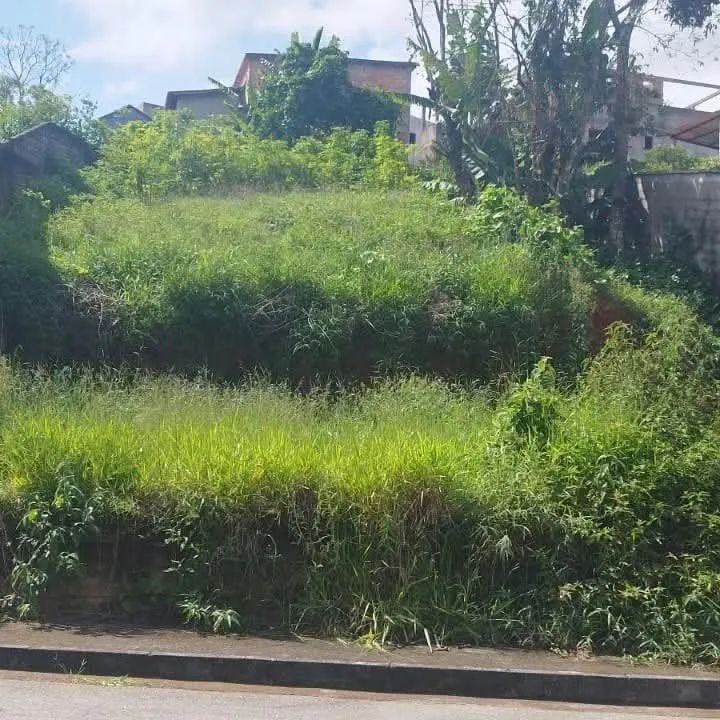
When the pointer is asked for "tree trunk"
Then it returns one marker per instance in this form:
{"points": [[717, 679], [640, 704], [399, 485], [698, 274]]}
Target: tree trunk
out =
{"points": [[621, 125], [454, 155]]}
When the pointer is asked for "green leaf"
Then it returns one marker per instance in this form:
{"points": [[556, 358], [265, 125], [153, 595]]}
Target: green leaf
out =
{"points": [[593, 25]]}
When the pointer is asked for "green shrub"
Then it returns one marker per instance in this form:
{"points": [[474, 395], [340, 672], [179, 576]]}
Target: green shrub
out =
{"points": [[176, 155], [586, 518], [332, 285], [42, 105], [674, 158], [307, 91]]}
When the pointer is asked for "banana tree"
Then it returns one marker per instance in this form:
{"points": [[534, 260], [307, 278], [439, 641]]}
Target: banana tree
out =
{"points": [[467, 89], [515, 85]]}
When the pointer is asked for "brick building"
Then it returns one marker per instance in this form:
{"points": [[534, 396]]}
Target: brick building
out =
{"points": [[390, 75]]}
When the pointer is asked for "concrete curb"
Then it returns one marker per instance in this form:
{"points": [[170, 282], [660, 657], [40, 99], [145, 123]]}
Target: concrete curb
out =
{"points": [[574, 687]]}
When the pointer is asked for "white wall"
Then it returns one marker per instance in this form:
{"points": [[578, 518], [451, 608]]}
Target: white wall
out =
{"points": [[203, 106], [638, 152]]}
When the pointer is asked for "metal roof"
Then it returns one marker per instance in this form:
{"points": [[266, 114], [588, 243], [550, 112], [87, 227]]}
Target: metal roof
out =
{"points": [[705, 132]]}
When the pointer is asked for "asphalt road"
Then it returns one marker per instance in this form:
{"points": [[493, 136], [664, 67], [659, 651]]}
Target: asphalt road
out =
{"points": [[33, 697]]}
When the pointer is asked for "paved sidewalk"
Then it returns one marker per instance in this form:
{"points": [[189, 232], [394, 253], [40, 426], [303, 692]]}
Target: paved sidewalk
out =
{"points": [[311, 663], [121, 638]]}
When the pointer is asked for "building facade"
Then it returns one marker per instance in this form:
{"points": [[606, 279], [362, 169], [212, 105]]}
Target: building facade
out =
{"points": [[388, 75], [123, 116], [665, 124], [201, 103]]}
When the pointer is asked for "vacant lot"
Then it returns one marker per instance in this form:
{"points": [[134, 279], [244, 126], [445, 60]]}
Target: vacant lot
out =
{"points": [[502, 475], [319, 285]]}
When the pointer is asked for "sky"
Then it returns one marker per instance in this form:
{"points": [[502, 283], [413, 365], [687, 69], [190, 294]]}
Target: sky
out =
{"points": [[130, 51]]}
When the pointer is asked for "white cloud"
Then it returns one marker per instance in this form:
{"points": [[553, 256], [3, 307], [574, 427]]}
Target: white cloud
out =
{"points": [[161, 35], [374, 22], [680, 55], [154, 34], [120, 88]]}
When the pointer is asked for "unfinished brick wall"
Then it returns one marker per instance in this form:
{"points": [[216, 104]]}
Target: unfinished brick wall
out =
{"points": [[394, 77], [685, 208], [253, 68]]}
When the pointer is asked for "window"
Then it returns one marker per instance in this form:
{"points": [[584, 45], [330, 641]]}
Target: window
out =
{"points": [[649, 142], [413, 139]]}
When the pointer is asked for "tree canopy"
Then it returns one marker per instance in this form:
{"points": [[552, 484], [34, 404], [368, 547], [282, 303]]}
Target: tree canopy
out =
{"points": [[518, 83], [42, 105], [31, 65], [308, 92], [29, 60]]}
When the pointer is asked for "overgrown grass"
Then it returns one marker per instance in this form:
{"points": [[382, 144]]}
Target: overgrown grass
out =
{"points": [[577, 509], [538, 517], [332, 285]]}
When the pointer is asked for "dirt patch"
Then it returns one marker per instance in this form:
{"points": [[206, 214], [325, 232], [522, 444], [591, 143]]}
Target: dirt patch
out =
{"points": [[607, 311]]}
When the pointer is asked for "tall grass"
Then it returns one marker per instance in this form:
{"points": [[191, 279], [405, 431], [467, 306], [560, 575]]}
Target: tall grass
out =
{"points": [[332, 285], [574, 504], [539, 517]]}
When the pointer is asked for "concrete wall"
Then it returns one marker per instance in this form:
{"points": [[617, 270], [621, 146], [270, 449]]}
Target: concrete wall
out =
{"points": [[123, 116], [684, 216], [638, 151], [203, 105], [426, 135], [151, 108], [663, 120], [40, 151]]}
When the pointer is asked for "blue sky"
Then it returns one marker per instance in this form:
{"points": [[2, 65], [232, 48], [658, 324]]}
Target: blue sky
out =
{"points": [[127, 51]]}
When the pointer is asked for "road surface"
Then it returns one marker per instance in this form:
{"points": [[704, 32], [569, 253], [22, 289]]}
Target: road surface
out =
{"points": [[35, 697]]}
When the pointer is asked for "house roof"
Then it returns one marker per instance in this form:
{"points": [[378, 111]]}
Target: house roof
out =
{"points": [[174, 95], [272, 57], [705, 132], [128, 111], [82, 145]]}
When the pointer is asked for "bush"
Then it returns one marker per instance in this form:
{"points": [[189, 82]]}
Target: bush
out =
{"points": [[307, 91], [37, 318], [176, 155], [333, 285], [674, 158], [584, 518], [43, 105]]}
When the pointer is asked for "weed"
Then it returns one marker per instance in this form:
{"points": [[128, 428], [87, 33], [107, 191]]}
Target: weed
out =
{"points": [[338, 286], [48, 540], [202, 615]]}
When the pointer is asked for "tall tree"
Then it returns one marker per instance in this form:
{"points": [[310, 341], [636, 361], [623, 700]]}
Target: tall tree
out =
{"points": [[624, 17], [531, 123], [570, 59], [459, 49], [29, 60], [560, 55], [307, 92]]}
